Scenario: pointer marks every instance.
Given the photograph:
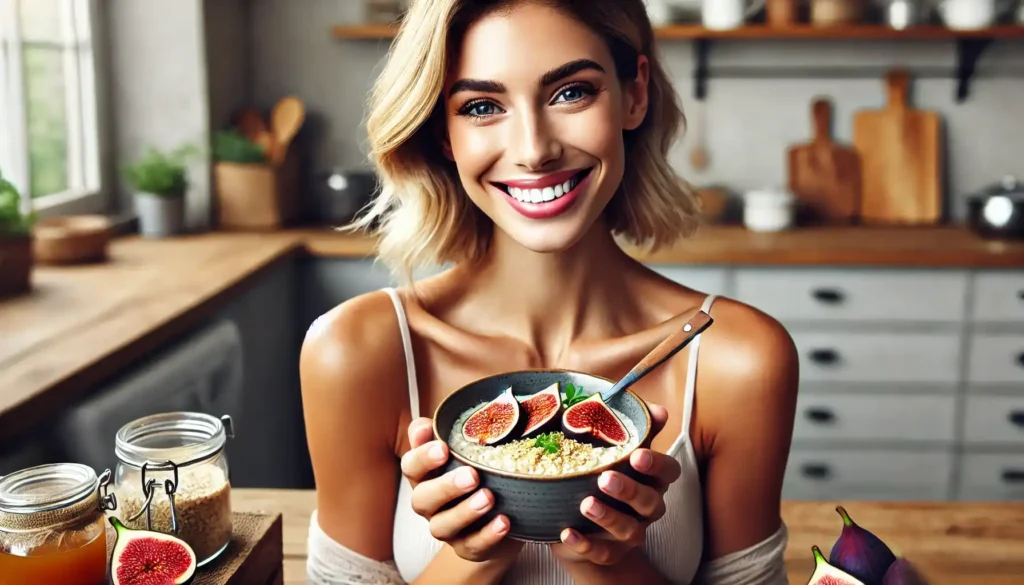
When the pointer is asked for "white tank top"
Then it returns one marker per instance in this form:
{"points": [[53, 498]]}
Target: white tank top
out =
{"points": [[674, 543]]}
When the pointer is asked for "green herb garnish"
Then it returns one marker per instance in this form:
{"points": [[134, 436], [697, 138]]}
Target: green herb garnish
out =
{"points": [[572, 395], [549, 442]]}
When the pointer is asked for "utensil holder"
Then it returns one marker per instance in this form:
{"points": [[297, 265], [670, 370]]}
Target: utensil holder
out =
{"points": [[257, 196]]}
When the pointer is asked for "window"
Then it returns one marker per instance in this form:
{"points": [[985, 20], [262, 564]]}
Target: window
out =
{"points": [[49, 136]]}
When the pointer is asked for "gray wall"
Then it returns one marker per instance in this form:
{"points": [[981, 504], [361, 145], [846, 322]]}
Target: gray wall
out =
{"points": [[750, 122]]}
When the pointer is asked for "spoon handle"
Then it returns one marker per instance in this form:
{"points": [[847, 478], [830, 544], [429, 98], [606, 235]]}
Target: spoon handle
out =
{"points": [[666, 349]]}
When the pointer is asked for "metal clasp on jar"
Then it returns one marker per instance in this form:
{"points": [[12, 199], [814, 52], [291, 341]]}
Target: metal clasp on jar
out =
{"points": [[108, 500], [148, 488]]}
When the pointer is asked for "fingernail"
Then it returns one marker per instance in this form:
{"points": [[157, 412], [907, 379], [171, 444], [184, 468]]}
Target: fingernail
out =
{"points": [[464, 478], [644, 461], [437, 452], [595, 509], [570, 537], [478, 501], [610, 483], [500, 525]]}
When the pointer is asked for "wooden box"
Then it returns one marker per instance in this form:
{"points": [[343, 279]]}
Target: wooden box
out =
{"points": [[256, 197], [255, 555], [16, 261]]}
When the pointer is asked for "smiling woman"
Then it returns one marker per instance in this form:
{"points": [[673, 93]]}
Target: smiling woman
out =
{"points": [[516, 140]]}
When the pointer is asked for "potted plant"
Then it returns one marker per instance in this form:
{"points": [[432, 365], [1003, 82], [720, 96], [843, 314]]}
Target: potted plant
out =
{"points": [[253, 192], [15, 242], [160, 181]]}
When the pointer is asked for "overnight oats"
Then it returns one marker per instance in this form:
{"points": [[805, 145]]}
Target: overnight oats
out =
{"points": [[549, 433]]}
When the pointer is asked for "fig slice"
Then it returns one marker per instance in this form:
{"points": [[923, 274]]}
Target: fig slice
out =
{"points": [[591, 421], [541, 410], [146, 557], [826, 574], [495, 422]]}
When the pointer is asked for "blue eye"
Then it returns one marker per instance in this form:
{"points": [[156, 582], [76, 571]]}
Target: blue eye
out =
{"points": [[572, 94], [478, 109]]}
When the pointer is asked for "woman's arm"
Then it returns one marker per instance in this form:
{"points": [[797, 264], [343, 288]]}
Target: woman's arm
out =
{"points": [[746, 397], [353, 399]]}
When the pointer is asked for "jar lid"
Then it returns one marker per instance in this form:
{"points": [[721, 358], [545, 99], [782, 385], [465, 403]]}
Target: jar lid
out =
{"points": [[47, 495], [172, 439], [768, 197]]}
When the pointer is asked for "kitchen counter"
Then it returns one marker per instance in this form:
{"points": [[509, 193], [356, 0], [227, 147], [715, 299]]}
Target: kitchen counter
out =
{"points": [[84, 323], [951, 543]]}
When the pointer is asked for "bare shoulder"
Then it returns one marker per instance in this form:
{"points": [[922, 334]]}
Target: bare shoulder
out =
{"points": [[748, 364], [348, 361]]}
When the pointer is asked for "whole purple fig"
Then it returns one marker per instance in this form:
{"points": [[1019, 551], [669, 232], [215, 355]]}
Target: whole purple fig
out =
{"points": [[902, 572], [860, 553]]}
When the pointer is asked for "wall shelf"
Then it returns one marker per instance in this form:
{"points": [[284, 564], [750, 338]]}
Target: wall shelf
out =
{"points": [[970, 44]]}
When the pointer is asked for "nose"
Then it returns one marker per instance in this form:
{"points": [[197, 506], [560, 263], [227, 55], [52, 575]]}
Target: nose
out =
{"points": [[534, 145]]}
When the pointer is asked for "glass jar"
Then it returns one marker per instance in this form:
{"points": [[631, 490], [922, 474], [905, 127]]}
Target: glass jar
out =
{"points": [[52, 525], [172, 476]]}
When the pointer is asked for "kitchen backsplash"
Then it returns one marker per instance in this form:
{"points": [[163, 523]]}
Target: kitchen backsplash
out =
{"points": [[749, 122]]}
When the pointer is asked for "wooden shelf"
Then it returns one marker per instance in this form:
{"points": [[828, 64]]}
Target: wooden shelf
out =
{"points": [[695, 32]]}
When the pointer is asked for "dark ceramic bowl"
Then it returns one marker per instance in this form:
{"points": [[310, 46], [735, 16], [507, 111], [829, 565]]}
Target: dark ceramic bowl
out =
{"points": [[539, 507]]}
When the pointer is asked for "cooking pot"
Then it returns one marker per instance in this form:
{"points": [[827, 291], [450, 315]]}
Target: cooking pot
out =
{"points": [[997, 211]]}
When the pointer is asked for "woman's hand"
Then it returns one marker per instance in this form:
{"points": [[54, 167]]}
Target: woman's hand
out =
{"points": [[622, 532], [429, 496]]}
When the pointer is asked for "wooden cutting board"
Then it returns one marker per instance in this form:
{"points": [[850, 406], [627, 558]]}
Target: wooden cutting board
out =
{"points": [[901, 159], [825, 176]]}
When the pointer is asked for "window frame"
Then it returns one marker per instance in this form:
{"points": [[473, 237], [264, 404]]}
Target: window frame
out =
{"points": [[88, 135]]}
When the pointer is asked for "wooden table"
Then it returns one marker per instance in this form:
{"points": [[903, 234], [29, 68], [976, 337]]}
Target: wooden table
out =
{"points": [[953, 543]]}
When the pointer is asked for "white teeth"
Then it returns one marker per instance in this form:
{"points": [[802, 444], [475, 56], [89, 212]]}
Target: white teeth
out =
{"points": [[542, 195], [549, 193], [559, 191], [566, 186]]}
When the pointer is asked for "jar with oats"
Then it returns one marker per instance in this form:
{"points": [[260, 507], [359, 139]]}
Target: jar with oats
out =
{"points": [[172, 477], [52, 526]]}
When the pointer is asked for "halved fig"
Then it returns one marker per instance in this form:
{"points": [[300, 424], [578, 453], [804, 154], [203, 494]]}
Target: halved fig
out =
{"points": [[591, 421], [497, 421], [542, 410], [145, 557]]}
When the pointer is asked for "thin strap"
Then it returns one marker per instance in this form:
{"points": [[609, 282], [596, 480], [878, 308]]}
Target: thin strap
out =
{"points": [[410, 362], [691, 372]]}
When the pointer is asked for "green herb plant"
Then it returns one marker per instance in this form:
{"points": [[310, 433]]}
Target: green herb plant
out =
{"points": [[161, 174], [13, 223], [573, 395], [235, 147], [549, 442]]}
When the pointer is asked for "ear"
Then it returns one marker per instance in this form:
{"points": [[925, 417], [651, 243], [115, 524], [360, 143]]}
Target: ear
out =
{"points": [[635, 95]]}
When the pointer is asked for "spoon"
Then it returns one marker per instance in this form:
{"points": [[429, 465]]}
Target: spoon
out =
{"points": [[659, 355]]}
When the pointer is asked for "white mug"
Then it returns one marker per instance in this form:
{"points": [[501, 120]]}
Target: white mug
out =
{"points": [[728, 14], [967, 14]]}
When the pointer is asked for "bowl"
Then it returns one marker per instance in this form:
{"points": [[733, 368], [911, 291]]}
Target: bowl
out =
{"points": [[539, 507]]}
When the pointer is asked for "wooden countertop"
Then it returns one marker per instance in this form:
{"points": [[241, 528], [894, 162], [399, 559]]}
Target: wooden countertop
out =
{"points": [[952, 543], [84, 323]]}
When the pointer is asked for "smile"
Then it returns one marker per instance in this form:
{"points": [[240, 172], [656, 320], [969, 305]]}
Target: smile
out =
{"points": [[543, 190]]}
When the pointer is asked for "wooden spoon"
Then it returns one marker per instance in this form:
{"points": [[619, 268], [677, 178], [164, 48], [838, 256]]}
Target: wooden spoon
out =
{"points": [[659, 355], [699, 154], [287, 118], [251, 124]]}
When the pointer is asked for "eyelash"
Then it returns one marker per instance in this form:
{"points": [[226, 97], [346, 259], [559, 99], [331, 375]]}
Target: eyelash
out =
{"points": [[585, 89]]}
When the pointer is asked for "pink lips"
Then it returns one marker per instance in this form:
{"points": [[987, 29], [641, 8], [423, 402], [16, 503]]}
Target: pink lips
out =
{"points": [[547, 209]]}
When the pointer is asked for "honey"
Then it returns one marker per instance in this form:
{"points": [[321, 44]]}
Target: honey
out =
{"points": [[52, 527]]}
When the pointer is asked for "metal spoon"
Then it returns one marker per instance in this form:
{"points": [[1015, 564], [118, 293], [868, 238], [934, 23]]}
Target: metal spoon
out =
{"points": [[660, 354]]}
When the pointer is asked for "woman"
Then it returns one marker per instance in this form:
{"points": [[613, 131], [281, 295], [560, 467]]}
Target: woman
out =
{"points": [[515, 141]]}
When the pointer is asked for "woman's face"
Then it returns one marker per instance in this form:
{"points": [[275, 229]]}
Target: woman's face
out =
{"points": [[535, 119]]}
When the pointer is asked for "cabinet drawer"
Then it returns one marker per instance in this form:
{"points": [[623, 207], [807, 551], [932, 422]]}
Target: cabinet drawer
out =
{"points": [[991, 477], [823, 417], [707, 280], [994, 419], [997, 359], [855, 295], [878, 357], [876, 474], [998, 297]]}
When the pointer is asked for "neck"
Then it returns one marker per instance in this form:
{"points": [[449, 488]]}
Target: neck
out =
{"points": [[547, 300]]}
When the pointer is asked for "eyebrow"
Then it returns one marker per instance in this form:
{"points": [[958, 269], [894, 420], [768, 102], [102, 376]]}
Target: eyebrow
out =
{"points": [[557, 74]]}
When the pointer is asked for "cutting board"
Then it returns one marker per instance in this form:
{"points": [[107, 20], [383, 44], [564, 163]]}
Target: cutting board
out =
{"points": [[825, 176], [255, 555], [900, 151]]}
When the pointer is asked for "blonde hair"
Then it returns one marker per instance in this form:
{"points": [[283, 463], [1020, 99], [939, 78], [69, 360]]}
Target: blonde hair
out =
{"points": [[421, 215]]}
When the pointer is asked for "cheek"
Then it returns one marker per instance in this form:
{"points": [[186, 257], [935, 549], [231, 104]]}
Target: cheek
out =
{"points": [[474, 148]]}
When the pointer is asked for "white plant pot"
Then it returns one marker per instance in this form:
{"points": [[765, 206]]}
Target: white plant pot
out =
{"points": [[159, 217]]}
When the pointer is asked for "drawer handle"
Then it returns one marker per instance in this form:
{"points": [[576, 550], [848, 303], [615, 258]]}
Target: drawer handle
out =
{"points": [[824, 356], [820, 415], [1017, 417], [1013, 475], [1020, 359], [1020, 294], [829, 295], [816, 471]]}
